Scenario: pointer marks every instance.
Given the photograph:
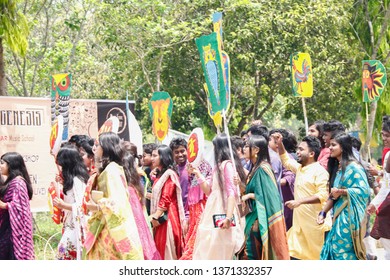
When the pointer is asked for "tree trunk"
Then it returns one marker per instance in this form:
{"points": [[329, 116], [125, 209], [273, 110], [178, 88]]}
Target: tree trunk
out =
{"points": [[3, 81], [366, 154]]}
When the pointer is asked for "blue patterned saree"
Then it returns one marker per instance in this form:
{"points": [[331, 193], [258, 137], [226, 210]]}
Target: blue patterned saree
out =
{"points": [[345, 239]]}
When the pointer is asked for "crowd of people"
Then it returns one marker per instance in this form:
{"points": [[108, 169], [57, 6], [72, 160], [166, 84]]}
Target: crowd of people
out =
{"points": [[265, 196]]}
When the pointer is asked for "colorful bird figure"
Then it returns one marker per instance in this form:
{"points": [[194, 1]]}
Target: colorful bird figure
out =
{"points": [[303, 75]]}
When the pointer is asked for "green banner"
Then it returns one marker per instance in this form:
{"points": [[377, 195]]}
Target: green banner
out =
{"points": [[211, 59]]}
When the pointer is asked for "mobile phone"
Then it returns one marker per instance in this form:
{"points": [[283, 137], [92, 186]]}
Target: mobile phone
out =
{"points": [[219, 218]]}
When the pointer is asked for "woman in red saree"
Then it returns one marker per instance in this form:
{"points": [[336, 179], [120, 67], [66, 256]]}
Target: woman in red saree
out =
{"points": [[167, 211]]}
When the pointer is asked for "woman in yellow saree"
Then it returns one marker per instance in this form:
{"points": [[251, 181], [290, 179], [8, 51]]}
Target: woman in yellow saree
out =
{"points": [[112, 232]]}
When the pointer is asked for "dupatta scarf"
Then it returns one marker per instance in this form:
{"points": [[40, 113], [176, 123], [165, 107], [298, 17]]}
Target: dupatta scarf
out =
{"points": [[16, 223], [112, 231], [157, 188], [269, 214], [169, 236], [345, 239]]}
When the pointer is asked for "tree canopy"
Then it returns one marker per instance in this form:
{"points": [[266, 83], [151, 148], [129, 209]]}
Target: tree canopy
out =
{"points": [[114, 47]]}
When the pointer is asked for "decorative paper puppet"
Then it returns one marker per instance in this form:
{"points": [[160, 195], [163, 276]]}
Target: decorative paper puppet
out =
{"points": [[211, 59], [195, 147], [217, 24], [53, 192], [160, 108], [61, 85], [216, 117], [226, 77], [56, 135], [110, 125], [55, 145], [301, 74], [374, 80]]}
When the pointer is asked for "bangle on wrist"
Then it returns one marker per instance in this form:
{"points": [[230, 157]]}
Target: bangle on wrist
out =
{"points": [[201, 179], [322, 214]]}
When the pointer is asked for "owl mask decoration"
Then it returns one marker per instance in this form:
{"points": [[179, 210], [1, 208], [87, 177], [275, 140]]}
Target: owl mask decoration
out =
{"points": [[61, 85]]}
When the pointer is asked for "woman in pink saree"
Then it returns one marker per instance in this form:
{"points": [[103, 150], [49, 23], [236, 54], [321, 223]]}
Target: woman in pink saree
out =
{"points": [[136, 199], [16, 223]]}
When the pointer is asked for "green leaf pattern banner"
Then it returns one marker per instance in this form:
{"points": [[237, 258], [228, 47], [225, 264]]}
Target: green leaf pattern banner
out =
{"points": [[211, 59]]}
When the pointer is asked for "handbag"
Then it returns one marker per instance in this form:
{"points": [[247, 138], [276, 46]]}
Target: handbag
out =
{"points": [[238, 232], [244, 208], [163, 218]]}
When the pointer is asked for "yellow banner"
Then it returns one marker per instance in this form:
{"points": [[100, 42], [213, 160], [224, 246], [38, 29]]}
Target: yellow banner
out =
{"points": [[301, 75]]}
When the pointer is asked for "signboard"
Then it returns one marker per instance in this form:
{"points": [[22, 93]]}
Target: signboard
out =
{"points": [[374, 79], [25, 127], [301, 74]]}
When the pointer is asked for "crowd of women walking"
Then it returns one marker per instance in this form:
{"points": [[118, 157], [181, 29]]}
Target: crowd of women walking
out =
{"points": [[264, 196]]}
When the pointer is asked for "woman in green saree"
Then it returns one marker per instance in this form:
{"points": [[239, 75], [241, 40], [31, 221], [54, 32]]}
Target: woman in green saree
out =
{"points": [[348, 197], [265, 228]]}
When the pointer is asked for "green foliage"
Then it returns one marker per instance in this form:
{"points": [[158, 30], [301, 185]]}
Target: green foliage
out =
{"points": [[112, 47], [47, 235], [13, 27], [370, 24]]}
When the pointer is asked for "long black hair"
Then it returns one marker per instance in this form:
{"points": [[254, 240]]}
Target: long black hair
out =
{"points": [[87, 145], [166, 159], [72, 164], [222, 153], [16, 167], [319, 125], [258, 141], [347, 156], [113, 151], [132, 176], [290, 141], [386, 123]]}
